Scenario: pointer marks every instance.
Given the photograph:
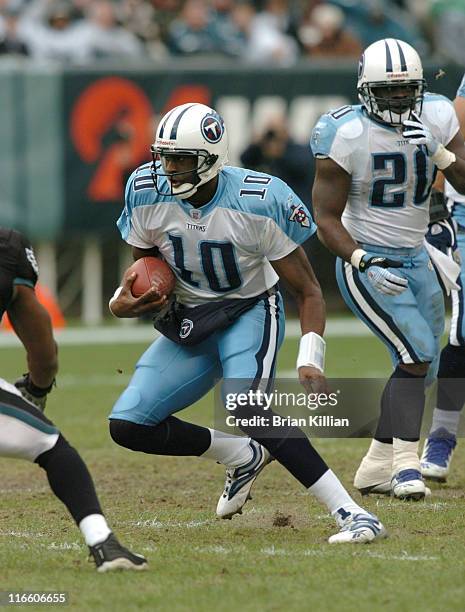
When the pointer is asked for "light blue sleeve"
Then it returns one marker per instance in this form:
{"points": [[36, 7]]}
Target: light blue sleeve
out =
{"points": [[124, 221], [461, 89], [291, 225], [323, 135]]}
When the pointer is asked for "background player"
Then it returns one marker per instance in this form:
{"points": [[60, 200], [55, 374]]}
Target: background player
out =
{"points": [[226, 233], [442, 439], [375, 166], [25, 433]]}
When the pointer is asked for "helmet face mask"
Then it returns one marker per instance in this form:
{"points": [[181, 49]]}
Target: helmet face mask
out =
{"points": [[190, 149], [390, 81], [393, 103]]}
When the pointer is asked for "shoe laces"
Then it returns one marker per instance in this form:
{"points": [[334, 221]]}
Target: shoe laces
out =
{"points": [[229, 478], [439, 448]]}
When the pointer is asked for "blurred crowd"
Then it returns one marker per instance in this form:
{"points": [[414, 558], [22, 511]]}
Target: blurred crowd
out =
{"points": [[257, 32]]}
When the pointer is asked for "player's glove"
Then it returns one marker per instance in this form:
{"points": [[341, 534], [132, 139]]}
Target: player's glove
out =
{"points": [[443, 236], [381, 279], [32, 393], [416, 132]]}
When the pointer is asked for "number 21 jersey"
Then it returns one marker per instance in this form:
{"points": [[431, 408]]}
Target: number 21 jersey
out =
{"points": [[388, 203]]}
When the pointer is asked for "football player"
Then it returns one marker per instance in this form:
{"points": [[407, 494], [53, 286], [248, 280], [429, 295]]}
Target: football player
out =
{"points": [[449, 236], [376, 163], [228, 234], [25, 432]]}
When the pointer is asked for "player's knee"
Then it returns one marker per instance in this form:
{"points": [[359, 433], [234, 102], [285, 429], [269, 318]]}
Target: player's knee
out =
{"points": [[123, 433], [415, 369], [133, 406], [55, 452]]}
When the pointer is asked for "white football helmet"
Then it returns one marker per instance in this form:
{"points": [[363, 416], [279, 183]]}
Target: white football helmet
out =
{"points": [[391, 63], [190, 129]]}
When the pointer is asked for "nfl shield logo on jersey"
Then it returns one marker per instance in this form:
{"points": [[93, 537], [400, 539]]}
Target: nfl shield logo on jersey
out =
{"points": [[195, 214], [299, 215]]}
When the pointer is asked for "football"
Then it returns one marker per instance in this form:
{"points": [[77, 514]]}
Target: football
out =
{"points": [[151, 271]]}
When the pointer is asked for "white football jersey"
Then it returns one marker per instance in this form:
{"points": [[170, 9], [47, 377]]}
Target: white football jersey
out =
{"points": [[222, 249], [388, 203], [456, 200]]}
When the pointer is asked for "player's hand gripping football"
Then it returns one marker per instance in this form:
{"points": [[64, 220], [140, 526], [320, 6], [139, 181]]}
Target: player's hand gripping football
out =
{"points": [[128, 306], [381, 279], [313, 380]]}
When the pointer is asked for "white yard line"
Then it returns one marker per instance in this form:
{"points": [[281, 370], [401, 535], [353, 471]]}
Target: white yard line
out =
{"points": [[124, 334]]}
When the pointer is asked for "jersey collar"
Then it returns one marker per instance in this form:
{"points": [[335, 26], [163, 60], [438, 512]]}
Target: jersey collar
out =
{"points": [[205, 209]]}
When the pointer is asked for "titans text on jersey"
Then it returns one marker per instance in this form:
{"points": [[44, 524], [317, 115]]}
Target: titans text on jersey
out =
{"points": [[391, 178], [223, 248]]}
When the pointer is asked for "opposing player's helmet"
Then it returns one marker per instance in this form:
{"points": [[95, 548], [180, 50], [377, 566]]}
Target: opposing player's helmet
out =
{"points": [[386, 66], [190, 129]]}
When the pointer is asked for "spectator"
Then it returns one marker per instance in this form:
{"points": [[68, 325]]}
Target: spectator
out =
{"points": [[269, 41], [48, 30], [276, 153], [373, 20], [140, 18], [323, 34], [11, 42], [193, 31], [101, 37], [448, 17]]}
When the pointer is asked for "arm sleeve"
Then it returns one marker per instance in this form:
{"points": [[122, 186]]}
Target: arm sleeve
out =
{"points": [[27, 269], [289, 225], [327, 141], [461, 89], [129, 223], [445, 118]]}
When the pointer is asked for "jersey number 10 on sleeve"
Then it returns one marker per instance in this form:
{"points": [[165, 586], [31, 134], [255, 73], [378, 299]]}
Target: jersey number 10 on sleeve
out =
{"points": [[396, 163]]}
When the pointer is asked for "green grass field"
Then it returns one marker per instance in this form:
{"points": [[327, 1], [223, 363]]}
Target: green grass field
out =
{"points": [[273, 557]]}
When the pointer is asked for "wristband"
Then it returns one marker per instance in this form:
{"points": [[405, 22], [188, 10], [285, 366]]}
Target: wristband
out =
{"points": [[443, 158], [311, 351], [356, 257], [113, 298]]}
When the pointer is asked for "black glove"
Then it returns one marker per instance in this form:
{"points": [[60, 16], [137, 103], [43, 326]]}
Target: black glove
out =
{"points": [[382, 262], [32, 393]]}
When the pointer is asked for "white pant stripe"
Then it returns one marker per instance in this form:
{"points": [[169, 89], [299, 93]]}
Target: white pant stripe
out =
{"points": [[372, 316]]}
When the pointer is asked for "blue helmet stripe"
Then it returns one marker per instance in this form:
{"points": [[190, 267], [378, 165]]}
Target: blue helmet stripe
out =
{"points": [[162, 129], [388, 58], [403, 63], [174, 129]]}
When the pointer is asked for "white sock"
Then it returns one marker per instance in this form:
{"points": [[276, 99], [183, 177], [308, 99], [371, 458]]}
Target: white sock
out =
{"points": [[379, 451], [329, 491], [448, 419], [405, 456], [94, 528], [227, 449]]}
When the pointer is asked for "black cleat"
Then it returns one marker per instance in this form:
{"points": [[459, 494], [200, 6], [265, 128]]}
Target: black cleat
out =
{"points": [[110, 555]]}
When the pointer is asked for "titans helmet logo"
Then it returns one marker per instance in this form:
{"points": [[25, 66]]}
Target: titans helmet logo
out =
{"points": [[212, 128]]}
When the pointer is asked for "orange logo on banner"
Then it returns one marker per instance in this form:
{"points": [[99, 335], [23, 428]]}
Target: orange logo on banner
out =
{"points": [[111, 126], [188, 93]]}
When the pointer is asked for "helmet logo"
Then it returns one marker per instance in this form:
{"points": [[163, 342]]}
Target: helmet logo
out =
{"points": [[212, 128]]}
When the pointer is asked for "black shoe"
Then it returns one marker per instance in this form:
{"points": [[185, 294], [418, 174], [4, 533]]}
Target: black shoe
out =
{"points": [[110, 555]]}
